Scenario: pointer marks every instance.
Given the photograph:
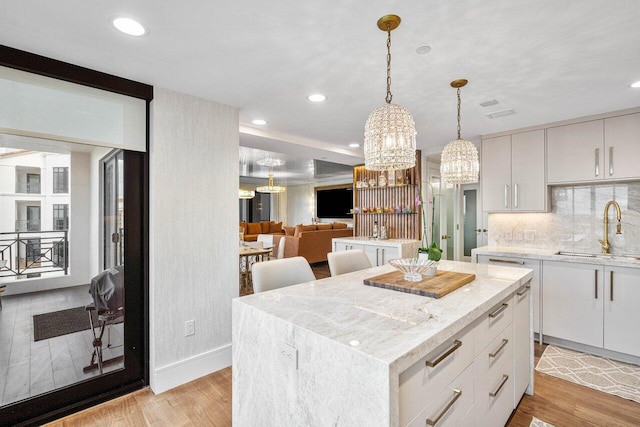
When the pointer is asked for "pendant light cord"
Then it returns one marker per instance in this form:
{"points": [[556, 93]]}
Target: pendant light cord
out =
{"points": [[389, 96], [459, 113]]}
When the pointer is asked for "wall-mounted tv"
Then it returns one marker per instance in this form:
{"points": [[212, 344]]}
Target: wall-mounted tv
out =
{"points": [[334, 202]]}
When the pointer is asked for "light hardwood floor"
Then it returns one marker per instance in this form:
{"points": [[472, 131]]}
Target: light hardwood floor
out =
{"points": [[207, 402]]}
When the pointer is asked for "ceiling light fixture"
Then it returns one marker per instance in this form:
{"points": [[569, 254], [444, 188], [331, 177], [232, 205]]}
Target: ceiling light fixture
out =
{"points": [[246, 194], [128, 26], [270, 188], [635, 85], [316, 97], [390, 132], [270, 162], [259, 122], [459, 161], [354, 145], [423, 49]]}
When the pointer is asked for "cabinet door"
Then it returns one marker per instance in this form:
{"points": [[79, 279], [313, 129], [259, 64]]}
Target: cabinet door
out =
{"points": [[380, 255], [622, 147], [622, 310], [496, 174], [573, 301], [522, 342], [575, 152], [529, 189]]}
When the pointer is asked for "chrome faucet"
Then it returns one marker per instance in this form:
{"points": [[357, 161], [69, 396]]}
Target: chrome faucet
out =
{"points": [[605, 242]]}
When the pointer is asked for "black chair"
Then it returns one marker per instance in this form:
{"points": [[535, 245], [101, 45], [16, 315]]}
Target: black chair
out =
{"points": [[107, 290]]}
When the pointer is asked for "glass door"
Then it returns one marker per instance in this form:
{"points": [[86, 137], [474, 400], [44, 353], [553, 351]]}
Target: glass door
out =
{"points": [[113, 209]]}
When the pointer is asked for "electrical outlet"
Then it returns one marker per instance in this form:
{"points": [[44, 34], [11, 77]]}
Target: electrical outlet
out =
{"points": [[288, 354], [508, 235], [189, 328], [530, 235]]}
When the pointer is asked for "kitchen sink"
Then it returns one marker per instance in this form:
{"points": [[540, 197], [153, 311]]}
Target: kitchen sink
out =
{"points": [[599, 256]]}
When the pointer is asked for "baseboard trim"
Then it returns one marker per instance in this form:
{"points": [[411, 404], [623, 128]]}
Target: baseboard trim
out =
{"points": [[170, 376], [596, 351]]}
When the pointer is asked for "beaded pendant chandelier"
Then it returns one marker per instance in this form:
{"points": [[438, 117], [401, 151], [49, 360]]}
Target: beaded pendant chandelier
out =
{"points": [[459, 161], [390, 132], [270, 188]]}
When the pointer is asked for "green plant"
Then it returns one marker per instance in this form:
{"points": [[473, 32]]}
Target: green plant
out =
{"points": [[433, 252]]}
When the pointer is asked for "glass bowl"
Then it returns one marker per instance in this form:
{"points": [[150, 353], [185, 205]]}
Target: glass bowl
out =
{"points": [[413, 268]]}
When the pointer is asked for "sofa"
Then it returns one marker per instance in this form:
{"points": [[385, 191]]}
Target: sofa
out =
{"points": [[252, 229], [313, 242]]}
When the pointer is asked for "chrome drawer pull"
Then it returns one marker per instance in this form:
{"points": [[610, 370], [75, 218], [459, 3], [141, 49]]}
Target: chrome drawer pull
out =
{"points": [[526, 289], [506, 261], [456, 345], [456, 395], [504, 381], [504, 343], [597, 158], [502, 308], [611, 285]]}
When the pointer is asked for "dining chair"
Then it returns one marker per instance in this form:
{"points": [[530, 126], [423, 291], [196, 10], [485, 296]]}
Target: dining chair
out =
{"points": [[280, 253], [343, 262], [266, 239], [280, 273]]}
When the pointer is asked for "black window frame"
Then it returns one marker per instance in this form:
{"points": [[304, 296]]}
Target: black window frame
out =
{"points": [[60, 179], [64, 218]]}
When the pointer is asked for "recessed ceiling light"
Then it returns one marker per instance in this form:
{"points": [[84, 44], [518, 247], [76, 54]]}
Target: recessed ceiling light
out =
{"points": [[423, 49], [128, 26], [259, 122], [316, 97], [354, 145], [636, 85]]}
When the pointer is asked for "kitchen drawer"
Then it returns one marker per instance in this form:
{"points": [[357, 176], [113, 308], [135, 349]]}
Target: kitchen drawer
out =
{"points": [[492, 323], [450, 405], [489, 364], [494, 401], [419, 384]]}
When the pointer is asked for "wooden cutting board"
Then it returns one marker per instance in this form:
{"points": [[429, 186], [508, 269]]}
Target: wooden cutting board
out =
{"points": [[430, 286]]}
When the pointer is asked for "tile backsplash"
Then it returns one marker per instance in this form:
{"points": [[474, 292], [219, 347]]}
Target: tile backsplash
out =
{"points": [[575, 222]]}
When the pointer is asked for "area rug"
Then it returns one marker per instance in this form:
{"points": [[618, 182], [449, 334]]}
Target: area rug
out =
{"points": [[539, 423], [63, 322], [599, 373]]}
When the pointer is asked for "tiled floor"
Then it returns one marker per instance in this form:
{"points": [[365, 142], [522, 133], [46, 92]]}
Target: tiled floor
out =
{"points": [[29, 368]]}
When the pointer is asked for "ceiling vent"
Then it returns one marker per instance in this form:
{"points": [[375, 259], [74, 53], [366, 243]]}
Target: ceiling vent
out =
{"points": [[488, 103], [502, 113]]}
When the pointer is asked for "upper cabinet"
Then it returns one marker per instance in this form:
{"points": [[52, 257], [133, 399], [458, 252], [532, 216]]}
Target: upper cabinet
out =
{"points": [[594, 150], [513, 178], [622, 147]]}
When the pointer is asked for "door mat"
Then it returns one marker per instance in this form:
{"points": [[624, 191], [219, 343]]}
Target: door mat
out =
{"points": [[598, 373], [539, 423], [63, 322]]}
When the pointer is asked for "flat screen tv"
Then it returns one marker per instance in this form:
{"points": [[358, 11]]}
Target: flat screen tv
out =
{"points": [[334, 203]]}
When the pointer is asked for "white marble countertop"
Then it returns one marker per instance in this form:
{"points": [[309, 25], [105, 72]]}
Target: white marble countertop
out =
{"points": [[551, 255], [395, 328]]}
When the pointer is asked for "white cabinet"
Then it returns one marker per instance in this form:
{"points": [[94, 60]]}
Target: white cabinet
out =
{"points": [[345, 246], [573, 301], [522, 341], [622, 310], [477, 377], [380, 255], [534, 265], [379, 252], [594, 150], [513, 177], [575, 152], [622, 147]]}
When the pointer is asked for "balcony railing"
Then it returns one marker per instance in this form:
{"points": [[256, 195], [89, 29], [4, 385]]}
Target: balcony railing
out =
{"points": [[33, 252]]}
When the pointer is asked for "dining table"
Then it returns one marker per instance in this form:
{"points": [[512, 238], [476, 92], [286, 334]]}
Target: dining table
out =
{"points": [[249, 255]]}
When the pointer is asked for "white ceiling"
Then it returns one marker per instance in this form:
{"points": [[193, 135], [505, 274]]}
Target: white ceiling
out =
{"points": [[549, 60]]}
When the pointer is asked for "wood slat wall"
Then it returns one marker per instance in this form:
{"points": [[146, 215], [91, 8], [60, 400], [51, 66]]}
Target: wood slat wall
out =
{"points": [[385, 200]]}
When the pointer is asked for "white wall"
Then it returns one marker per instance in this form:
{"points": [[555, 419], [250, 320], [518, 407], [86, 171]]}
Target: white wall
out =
{"points": [[193, 267], [301, 203]]}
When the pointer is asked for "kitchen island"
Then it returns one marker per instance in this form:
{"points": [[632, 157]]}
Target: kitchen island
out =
{"points": [[334, 352]]}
